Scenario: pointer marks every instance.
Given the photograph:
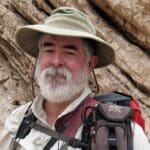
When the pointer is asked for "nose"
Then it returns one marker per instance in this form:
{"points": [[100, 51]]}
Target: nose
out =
{"points": [[57, 60]]}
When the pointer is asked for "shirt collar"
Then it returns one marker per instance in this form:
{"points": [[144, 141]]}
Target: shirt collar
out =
{"points": [[40, 114]]}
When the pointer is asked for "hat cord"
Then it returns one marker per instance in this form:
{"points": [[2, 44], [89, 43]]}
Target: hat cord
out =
{"points": [[97, 86], [32, 81]]}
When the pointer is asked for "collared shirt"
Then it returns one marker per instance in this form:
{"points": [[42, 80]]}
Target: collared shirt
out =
{"points": [[36, 140]]}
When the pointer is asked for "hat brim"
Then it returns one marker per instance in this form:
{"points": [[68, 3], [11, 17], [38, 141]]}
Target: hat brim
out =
{"points": [[27, 37]]}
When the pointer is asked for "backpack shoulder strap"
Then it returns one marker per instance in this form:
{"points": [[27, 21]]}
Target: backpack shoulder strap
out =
{"points": [[25, 125]]}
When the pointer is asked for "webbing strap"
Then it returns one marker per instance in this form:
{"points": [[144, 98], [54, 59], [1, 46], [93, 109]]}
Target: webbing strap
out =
{"points": [[51, 142], [57, 135], [112, 138], [129, 136]]}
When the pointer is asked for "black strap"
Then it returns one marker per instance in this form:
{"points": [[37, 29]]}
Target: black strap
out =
{"points": [[25, 125], [129, 135], [51, 142], [112, 138], [57, 135]]}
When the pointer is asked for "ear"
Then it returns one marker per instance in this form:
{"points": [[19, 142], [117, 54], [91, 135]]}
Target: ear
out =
{"points": [[92, 63]]}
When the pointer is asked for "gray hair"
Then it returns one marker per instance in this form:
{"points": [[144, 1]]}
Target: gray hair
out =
{"points": [[91, 46]]}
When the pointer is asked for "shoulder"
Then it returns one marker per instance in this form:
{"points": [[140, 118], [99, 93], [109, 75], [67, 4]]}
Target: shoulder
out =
{"points": [[140, 140], [11, 126], [15, 118]]}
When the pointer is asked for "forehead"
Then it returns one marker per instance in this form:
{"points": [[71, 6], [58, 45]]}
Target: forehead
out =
{"points": [[61, 39]]}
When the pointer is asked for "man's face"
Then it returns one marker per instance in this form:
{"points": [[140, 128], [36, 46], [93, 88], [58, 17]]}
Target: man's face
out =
{"points": [[59, 51], [63, 66]]}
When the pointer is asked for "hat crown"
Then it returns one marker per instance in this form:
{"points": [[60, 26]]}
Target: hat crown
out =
{"points": [[71, 17]]}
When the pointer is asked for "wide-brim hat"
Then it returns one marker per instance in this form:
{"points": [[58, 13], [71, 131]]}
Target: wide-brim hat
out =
{"points": [[64, 21]]}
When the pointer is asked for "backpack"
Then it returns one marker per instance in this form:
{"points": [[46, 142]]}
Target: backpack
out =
{"points": [[109, 125], [106, 126]]}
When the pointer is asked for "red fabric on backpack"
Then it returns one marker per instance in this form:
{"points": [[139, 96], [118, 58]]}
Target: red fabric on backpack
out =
{"points": [[137, 116]]}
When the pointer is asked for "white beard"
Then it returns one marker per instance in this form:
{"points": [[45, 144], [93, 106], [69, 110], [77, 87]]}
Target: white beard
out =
{"points": [[58, 85]]}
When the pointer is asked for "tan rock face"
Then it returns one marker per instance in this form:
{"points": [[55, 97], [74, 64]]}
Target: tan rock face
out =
{"points": [[133, 17], [129, 73], [12, 90]]}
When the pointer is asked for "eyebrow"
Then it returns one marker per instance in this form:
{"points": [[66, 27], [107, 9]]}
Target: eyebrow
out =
{"points": [[73, 47], [48, 44]]}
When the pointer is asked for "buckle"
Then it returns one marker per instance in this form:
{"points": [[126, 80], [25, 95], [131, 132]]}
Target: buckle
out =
{"points": [[112, 141]]}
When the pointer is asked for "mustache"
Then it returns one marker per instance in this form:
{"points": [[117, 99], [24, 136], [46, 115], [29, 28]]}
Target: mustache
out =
{"points": [[62, 71]]}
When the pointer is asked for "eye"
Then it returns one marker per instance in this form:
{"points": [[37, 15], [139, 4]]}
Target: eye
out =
{"points": [[70, 52], [48, 50], [70, 49]]}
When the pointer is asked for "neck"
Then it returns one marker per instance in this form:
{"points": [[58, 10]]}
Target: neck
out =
{"points": [[53, 110]]}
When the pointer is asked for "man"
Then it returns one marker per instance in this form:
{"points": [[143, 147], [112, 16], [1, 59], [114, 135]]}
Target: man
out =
{"points": [[67, 51]]}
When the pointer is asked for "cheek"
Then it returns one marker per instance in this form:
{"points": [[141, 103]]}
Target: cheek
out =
{"points": [[44, 63], [76, 67]]}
